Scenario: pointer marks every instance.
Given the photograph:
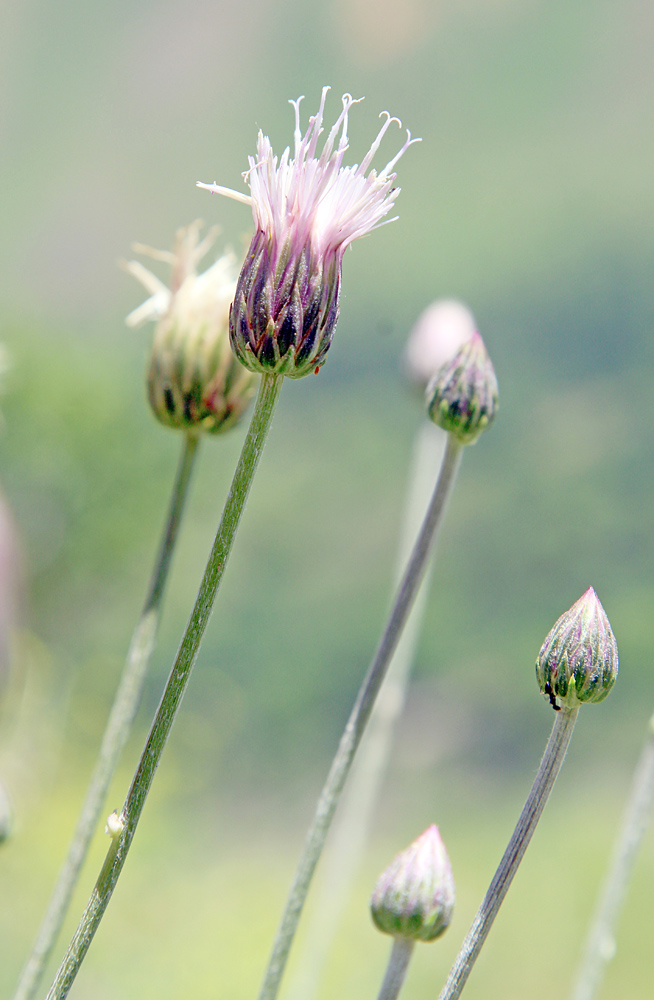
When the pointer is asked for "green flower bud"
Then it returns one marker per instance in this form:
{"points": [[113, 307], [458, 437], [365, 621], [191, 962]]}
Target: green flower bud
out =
{"points": [[578, 661], [462, 397], [414, 897], [194, 381]]}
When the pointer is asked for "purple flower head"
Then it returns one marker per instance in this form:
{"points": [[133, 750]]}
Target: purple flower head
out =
{"points": [[307, 210]]}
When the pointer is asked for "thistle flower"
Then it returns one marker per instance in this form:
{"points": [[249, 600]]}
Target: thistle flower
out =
{"points": [[414, 897], [440, 330], [307, 210], [194, 381], [462, 397], [578, 662]]}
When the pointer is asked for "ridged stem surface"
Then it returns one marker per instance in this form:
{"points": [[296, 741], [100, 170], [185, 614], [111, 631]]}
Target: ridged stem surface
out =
{"points": [[119, 725], [269, 390], [357, 721], [550, 766]]}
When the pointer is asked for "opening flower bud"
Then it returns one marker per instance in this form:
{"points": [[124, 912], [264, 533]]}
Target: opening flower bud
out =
{"points": [[307, 209], [194, 381], [414, 897], [578, 662], [462, 397]]}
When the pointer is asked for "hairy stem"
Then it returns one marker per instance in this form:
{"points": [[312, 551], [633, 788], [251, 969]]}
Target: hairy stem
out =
{"points": [[115, 736], [356, 724], [550, 766], [177, 682], [396, 969], [600, 944]]}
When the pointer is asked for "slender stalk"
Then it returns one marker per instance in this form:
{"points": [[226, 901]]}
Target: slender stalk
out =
{"points": [[356, 723], [350, 831], [396, 970], [600, 944], [116, 733], [269, 390], [550, 766]]}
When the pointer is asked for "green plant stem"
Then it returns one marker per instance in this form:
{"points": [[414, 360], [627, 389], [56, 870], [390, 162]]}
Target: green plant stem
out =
{"points": [[116, 733], [600, 944], [396, 969], [550, 766], [356, 723], [350, 831], [269, 390]]}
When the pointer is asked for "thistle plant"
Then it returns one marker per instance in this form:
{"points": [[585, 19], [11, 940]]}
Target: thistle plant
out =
{"points": [[577, 664], [195, 385], [413, 901], [293, 269], [465, 417]]}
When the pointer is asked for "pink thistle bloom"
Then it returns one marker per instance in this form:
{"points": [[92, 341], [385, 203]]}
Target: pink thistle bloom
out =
{"points": [[307, 210]]}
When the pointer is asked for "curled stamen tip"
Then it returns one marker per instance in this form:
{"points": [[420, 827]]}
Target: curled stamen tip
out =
{"points": [[390, 118]]}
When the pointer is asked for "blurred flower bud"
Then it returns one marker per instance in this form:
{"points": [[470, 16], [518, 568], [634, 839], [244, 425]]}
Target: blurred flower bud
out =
{"points": [[11, 587], [462, 397], [578, 661], [6, 815], [194, 382], [439, 332], [414, 897]]}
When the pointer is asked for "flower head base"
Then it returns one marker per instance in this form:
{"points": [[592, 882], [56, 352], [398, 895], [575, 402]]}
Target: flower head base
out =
{"points": [[439, 332], [462, 397], [578, 661], [307, 210], [194, 382], [414, 897]]}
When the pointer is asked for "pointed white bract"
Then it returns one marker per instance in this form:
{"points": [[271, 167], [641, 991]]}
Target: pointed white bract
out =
{"points": [[307, 209]]}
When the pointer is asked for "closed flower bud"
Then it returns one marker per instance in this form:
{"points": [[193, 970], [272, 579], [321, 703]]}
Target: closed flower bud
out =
{"points": [[439, 332], [414, 897], [462, 397], [578, 661], [194, 381], [307, 209]]}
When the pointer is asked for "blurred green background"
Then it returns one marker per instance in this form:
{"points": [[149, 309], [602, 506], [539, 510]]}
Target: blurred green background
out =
{"points": [[531, 199]]}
